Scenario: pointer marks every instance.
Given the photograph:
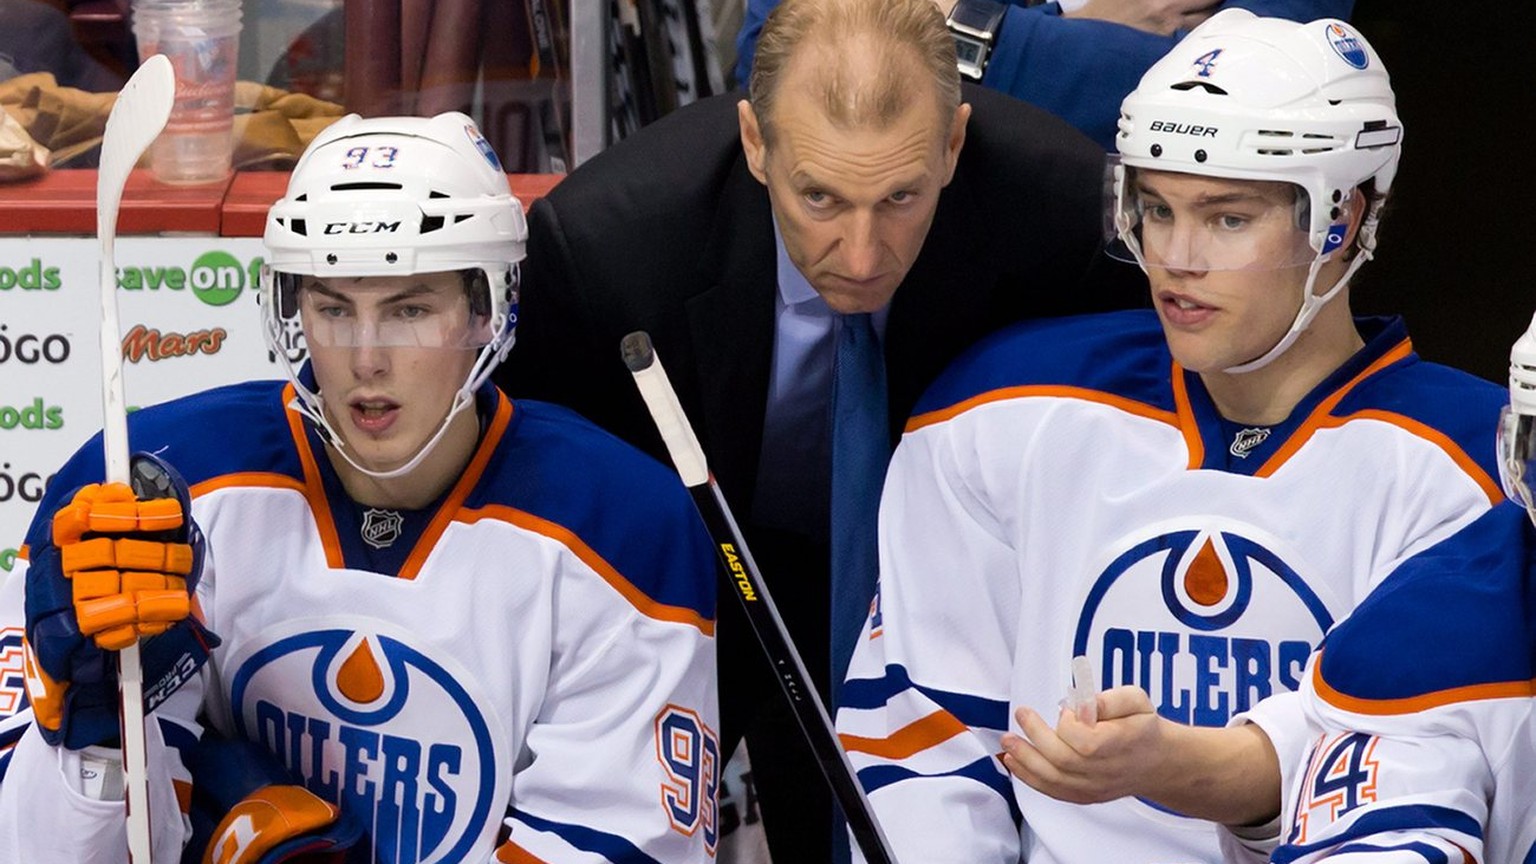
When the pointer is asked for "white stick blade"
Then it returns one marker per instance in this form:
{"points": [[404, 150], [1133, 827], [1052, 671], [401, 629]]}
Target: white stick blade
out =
{"points": [[137, 117]]}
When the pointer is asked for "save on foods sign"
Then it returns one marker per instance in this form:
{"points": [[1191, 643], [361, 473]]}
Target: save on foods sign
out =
{"points": [[189, 320]]}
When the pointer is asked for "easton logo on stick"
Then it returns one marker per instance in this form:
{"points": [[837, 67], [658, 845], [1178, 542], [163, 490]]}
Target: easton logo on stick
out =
{"points": [[738, 573]]}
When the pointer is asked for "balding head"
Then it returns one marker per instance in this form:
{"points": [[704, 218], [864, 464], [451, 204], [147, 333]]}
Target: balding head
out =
{"points": [[860, 100], [860, 61]]}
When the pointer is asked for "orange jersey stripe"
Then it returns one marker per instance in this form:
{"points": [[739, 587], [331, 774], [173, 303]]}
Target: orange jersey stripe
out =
{"points": [[313, 490], [915, 737], [1466, 856], [1129, 406], [266, 479], [1320, 415], [511, 853], [637, 598], [471, 476], [1434, 436], [1186, 421], [1408, 705]]}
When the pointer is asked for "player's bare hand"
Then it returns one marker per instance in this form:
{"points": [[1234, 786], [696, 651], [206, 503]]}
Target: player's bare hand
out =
{"points": [[1162, 17], [1087, 764]]}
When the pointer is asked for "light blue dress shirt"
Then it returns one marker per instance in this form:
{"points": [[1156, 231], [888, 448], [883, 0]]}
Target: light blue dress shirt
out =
{"points": [[794, 469]]}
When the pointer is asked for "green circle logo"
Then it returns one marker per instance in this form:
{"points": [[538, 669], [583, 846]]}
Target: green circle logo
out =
{"points": [[217, 278]]}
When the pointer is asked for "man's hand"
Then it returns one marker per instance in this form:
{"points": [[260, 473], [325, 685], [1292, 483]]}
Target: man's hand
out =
{"points": [[1085, 764], [1229, 775], [1163, 17], [120, 564]]}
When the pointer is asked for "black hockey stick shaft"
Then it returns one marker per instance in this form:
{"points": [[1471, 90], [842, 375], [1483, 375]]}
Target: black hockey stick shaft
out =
{"points": [[753, 595], [552, 112]]}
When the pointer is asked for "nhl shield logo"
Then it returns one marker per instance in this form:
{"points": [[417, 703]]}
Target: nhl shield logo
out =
{"points": [[381, 527], [1247, 439]]}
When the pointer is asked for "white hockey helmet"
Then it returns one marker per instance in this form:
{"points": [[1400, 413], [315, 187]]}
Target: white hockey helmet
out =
{"points": [[397, 196], [1517, 426], [1268, 99]]}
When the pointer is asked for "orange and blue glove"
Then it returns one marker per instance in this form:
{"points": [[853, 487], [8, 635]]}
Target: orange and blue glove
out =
{"points": [[247, 809], [120, 565]]}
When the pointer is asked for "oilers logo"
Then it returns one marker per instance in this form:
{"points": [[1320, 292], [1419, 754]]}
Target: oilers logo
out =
{"points": [[1208, 621], [1348, 46], [370, 722]]}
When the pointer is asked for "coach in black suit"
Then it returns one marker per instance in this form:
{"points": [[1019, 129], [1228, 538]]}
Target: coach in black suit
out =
{"points": [[672, 231]]}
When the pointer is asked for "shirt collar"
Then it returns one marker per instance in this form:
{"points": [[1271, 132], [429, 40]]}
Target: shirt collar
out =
{"points": [[794, 288]]}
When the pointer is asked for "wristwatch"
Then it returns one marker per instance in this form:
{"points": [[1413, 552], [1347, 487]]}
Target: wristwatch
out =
{"points": [[974, 24]]}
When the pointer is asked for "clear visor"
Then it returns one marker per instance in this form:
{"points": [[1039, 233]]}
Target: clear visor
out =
{"points": [[1168, 220], [1517, 456], [426, 310]]}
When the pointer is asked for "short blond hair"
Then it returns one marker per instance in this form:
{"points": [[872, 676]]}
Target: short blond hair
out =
{"points": [[899, 30]]}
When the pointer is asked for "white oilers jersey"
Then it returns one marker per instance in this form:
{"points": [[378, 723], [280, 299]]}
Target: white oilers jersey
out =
{"points": [[532, 655], [1423, 704], [1066, 489]]}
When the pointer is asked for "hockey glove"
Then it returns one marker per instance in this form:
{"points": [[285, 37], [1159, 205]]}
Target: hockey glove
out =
{"points": [[120, 564], [246, 810]]}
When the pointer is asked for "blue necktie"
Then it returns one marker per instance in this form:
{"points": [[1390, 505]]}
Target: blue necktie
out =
{"points": [[860, 451]]}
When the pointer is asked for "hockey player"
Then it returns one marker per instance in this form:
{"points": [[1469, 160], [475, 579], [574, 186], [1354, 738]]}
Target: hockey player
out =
{"points": [[1188, 497], [1425, 697], [479, 629]]}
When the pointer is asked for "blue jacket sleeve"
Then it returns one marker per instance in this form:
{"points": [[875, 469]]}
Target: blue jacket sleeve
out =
{"points": [[746, 40], [1080, 69]]}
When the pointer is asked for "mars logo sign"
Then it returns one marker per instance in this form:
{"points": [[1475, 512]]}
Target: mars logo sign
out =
{"points": [[148, 343], [1207, 621]]}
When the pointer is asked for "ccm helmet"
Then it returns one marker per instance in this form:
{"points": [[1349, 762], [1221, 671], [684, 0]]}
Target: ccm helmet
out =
{"points": [[1268, 99], [1517, 427], [396, 196]]}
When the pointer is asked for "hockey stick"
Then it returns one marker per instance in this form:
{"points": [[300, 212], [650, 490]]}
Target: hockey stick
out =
{"points": [[552, 111], [139, 114], [762, 614]]}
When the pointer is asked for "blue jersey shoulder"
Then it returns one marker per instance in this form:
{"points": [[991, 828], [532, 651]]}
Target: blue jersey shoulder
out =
{"points": [[1457, 615], [226, 430], [1122, 354], [1460, 406], [622, 504]]}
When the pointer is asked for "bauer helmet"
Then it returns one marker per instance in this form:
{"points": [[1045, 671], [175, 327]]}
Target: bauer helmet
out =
{"points": [[396, 196], [1268, 99]]}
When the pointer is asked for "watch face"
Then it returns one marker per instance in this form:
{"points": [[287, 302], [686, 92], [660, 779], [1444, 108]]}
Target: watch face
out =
{"points": [[974, 16], [967, 51]]}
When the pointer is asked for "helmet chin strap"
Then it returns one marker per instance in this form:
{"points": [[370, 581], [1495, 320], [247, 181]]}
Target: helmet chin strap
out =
{"points": [[1311, 304], [316, 414]]}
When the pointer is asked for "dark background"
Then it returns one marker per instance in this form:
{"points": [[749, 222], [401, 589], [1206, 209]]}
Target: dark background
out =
{"points": [[1459, 233]]}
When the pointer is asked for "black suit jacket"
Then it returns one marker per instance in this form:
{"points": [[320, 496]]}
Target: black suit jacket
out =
{"points": [[670, 233]]}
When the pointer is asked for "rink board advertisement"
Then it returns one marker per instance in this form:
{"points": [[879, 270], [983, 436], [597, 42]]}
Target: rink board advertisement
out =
{"points": [[188, 318]]}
